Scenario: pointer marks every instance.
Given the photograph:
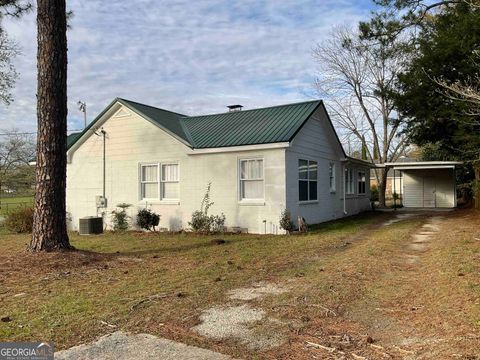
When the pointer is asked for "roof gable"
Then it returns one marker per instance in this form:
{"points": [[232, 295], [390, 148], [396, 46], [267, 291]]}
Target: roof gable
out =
{"points": [[168, 120]]}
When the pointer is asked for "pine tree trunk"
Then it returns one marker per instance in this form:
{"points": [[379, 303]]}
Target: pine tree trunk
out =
{"points": [[382, 187], [49, 220], [476, 191]]}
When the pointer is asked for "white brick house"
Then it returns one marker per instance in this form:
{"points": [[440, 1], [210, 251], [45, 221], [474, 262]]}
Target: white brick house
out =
{"points": [[259, 162]]}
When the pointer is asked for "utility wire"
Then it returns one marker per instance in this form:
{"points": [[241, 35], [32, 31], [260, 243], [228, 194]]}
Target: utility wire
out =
{"points": [[33, 133]]}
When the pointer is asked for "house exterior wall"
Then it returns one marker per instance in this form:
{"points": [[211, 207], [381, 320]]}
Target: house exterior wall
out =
{"points": [[131, 141], [317, 141], [429, 188]]}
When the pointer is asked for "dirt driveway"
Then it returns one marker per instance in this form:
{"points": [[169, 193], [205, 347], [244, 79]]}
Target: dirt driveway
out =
{"points": [[420, 293]]}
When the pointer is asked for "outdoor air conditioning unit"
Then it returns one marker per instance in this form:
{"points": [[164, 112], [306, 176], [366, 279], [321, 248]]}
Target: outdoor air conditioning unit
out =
{"points": [[90, 225]]}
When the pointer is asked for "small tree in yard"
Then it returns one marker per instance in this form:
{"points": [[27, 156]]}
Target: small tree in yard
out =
{"points": [[120, 217], [286, 222], [202, 222], [147, 219]]}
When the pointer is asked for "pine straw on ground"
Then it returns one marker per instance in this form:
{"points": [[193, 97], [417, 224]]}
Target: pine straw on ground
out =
{"points": [[351, 291]]}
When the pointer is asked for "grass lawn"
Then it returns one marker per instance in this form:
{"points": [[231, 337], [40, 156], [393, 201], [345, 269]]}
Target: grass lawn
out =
{"points": [[347, 280], [9, 204]]}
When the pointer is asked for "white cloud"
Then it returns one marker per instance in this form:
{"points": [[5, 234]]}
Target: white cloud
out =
{"points": [[193, 57]]}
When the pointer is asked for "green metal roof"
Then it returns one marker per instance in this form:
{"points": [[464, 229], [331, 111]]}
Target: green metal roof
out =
{"points": [[73, 137], [247, 127]]}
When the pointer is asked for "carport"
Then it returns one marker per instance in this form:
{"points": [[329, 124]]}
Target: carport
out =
{"points": [[427, 184]]}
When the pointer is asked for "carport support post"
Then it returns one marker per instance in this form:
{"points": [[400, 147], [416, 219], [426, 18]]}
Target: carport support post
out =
{"points": [[394, 191]]}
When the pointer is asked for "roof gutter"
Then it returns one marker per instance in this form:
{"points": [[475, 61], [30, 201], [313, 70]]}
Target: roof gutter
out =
{"points": [[359, 162], [421, 165]]}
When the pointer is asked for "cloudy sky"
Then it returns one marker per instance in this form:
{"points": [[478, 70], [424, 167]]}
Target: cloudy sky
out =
{"points": [[193, 57]]}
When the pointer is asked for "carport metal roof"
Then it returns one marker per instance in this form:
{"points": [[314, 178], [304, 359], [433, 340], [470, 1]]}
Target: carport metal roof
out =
{"points": [[420, 165]]}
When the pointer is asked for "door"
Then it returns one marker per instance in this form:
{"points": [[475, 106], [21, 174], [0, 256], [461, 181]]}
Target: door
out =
{"points": [[445, 190], [429, 190]]}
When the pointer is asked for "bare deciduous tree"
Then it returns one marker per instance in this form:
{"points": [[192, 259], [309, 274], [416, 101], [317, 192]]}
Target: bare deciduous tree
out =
{"points": [[8, 75], [16, 149], [357, 77]]}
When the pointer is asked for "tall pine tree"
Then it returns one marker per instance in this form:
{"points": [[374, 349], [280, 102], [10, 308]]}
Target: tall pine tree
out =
{"points": [[49, 221]]}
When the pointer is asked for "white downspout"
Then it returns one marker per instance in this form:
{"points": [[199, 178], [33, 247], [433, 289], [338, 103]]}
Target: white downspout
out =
{"points": [[344, 191]]}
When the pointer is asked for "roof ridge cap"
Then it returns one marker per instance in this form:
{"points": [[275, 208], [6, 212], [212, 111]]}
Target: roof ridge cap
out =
{"points": [[151, 106], [261, 108]]}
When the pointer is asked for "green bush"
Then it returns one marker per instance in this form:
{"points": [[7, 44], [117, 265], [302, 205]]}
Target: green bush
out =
{"points": [[204, 223], [120, 217], [217, 223], [20, 221], [200, 221], [286, 222], [374, 194], [147, 219]]}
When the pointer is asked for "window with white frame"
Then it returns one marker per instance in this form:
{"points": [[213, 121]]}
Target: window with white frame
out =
{"points": [[361, 180], [349, 185], [159, 181], [149, 181], [307, 180], [251, 179], [331, 174], [169, 186]]}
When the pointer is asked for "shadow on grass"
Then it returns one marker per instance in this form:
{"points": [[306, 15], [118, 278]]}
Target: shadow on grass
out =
{"points": [[206, 243], [347, 223]]}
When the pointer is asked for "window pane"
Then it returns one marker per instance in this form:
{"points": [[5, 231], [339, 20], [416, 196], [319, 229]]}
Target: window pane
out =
{"points": [[302, 190], [150, 191], [170, 190], [303, 169], [312, 170], [258, 170], [170, 172], [252, 189], [149, 173], [313, 190], [350, 187], [243, 169], [251, 169]]}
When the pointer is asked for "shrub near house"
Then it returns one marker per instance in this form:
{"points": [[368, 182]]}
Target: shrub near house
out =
{"points": [[147, 219], [204, 223], [20, 221]]}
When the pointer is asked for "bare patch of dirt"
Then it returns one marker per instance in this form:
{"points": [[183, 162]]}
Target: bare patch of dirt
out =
{"points": [[398, 218], [256, 291]]}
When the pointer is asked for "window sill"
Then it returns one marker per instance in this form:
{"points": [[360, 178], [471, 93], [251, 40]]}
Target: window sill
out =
{"points": [[251, 203], [159, 202], [308, 202]]}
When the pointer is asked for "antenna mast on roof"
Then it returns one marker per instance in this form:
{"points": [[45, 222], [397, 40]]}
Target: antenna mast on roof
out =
{"points": [[82, 106]]}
